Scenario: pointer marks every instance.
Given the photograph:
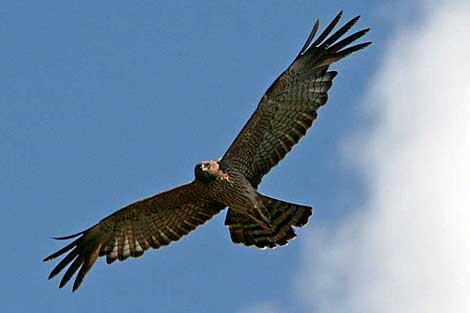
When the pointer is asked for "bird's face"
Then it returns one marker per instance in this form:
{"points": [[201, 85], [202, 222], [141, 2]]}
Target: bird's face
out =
{"points": [[206, 171]]}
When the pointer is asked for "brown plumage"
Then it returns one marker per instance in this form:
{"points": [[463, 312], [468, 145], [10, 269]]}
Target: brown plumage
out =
{"points": [[283, 116]]}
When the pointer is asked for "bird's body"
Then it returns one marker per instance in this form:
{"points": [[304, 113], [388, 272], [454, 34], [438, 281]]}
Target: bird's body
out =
{"points": [[233, 190], [230, 188], [283, 116]]}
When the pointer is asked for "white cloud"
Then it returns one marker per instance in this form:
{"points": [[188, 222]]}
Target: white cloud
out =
{"points": [[409, 251]]}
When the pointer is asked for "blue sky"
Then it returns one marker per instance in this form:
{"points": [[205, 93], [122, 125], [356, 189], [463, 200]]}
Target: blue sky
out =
{"points": [[105, 103]]}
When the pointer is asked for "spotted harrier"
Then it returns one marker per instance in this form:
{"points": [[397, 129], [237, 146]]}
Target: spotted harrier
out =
{"points": [[284, 114]]}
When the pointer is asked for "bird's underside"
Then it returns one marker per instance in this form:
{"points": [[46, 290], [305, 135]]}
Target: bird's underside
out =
{"points": [[284, 114]]}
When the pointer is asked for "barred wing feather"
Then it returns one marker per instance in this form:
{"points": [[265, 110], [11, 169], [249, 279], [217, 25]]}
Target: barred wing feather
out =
{"points": [[290, 105]]}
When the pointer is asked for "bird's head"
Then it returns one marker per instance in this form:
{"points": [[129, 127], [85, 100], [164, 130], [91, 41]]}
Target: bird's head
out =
{"points": [[206, 170]]}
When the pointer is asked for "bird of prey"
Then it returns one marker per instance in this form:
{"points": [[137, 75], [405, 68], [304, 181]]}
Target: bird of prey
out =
{"points": [[284, 114]]}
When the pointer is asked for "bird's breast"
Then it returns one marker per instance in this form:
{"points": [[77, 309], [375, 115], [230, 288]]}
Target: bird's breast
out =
{"points": [[233, 190]]}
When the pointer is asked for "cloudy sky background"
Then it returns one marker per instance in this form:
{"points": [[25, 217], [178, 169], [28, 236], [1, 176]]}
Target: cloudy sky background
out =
{"points": [[105, 103], [408, 248]]}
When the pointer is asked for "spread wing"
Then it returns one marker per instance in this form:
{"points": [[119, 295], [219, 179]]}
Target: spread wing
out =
{"points": [[289, 107], [149, 223]]}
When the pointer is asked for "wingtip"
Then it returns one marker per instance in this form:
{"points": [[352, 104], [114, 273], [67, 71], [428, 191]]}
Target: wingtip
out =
{"points": [[328, 29], [309, 38], [365, 44], [75, 286], [51, 275], [316, 25], [68, 237], [354, 20], [78, 282], [63, 282]]}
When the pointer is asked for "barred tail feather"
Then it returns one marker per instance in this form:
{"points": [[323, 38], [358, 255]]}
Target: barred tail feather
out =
{"points": [[282, 215]]}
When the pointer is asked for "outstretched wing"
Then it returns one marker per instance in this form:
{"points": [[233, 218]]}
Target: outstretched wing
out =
{"points": [[290, 105], [149, 223]]}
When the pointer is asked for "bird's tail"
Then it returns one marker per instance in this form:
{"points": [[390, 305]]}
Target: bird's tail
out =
{"points": [[282, 216]]}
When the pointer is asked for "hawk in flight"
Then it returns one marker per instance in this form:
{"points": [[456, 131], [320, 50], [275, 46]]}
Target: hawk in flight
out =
{"points": [[283, 116]]}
